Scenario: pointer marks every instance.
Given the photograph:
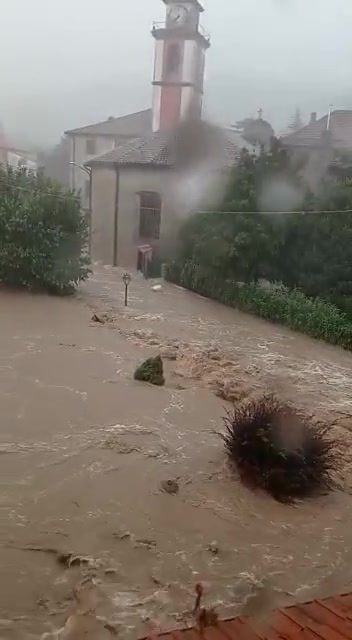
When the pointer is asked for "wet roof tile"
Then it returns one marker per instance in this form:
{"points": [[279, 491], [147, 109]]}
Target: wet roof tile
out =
{"points": [[132, 124], [197, 140], [339, 124], [328, 619]]}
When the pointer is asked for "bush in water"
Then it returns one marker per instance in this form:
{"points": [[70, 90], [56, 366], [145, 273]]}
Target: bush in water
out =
{"points": [[276, 450], [151, 371]]}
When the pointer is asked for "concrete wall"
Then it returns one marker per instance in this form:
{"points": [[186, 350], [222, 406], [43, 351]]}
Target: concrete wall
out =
{"points": [[131, 182], [79, 179], [104, 181], [176, 207]]}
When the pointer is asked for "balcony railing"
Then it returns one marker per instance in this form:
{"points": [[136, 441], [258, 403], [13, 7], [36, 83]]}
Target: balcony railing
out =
{"points": [[157, 26]]}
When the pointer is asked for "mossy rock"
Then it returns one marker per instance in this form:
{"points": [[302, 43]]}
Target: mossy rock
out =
{"points": [[151, 371]]}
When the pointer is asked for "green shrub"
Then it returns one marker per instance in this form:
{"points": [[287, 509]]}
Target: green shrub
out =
{"points": [[43, 234], [279, 452], [291, 308], [151, 371]]}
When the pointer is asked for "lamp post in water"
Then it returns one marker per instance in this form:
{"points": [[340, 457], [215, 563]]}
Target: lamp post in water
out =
{"points": [[127, 281]]}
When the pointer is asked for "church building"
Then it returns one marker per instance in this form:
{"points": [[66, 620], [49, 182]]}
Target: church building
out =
{"points": [[164, 163]]}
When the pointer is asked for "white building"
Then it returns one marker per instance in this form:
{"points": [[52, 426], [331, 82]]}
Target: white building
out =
{"points": [[10, 155], [142, 190]]}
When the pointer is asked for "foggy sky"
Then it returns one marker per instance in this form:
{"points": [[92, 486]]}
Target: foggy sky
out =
{"points": [[66, 63]]}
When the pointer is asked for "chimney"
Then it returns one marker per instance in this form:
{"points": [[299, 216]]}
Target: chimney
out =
{"points": [[313, 117]]}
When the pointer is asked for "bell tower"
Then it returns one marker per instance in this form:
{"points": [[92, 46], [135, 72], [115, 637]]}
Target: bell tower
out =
{"points": [[180, 47]]}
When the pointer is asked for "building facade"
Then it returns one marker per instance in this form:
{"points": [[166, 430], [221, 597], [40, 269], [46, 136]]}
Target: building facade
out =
{"points": [[86, 143], [142, 190], [14, 157]]}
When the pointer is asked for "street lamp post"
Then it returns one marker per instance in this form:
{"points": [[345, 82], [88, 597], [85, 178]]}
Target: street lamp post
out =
{"points": [[88, 171], [126, 278]]}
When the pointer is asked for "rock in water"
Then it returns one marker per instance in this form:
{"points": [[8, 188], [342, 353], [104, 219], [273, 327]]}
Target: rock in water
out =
{"points": [[151, 371], [169, 486]]}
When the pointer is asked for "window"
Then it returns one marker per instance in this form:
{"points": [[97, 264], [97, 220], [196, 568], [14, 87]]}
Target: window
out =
{"points": [[90, 147], [173, 57], [149, 215]]}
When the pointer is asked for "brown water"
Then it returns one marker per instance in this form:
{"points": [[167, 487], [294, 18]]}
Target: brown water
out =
{"points": [[85, 450]]}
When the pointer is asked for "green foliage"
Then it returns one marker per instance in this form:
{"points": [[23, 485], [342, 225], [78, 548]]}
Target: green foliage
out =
{"points": [[151, 371], [307, 251], [314, 254], [292, 308], [43, 235], [228, 244], [255, 131], [276, 450]]}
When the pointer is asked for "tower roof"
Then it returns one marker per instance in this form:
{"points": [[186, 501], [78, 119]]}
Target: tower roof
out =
{"points": [[195, 2]]}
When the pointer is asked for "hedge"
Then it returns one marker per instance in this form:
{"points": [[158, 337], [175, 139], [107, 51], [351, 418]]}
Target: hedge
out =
{"points": [[311, 316], [43, 234]]}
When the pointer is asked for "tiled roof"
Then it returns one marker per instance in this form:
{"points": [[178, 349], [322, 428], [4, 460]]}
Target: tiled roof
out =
{"points": [[133, 124], [340, 128], [166, 149], [328, 619]]}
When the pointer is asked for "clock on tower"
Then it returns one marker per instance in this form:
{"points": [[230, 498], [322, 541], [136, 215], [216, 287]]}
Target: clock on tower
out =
{"points": [[179, 66]]}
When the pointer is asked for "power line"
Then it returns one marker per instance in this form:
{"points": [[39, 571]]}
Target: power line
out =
{"points": [[15, 187], [265, 213], [278, 213]]}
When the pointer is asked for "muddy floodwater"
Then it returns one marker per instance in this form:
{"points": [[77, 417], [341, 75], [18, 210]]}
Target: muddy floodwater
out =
{"points": [[86, 453]]}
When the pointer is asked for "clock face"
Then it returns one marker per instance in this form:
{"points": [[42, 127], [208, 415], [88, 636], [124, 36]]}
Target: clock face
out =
{"points": [[178, 14]]}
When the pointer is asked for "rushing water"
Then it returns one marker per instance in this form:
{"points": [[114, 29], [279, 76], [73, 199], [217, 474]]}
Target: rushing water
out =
{"points": [[86, 452]]}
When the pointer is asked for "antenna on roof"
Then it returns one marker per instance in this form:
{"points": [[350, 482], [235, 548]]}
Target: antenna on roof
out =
{"points": [[329, 117]]}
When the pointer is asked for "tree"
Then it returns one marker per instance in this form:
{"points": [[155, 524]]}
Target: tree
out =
{"points": [[235, 241], [307, 250], [43, 235], [296, 121], [255, 131], [55, 163]]}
